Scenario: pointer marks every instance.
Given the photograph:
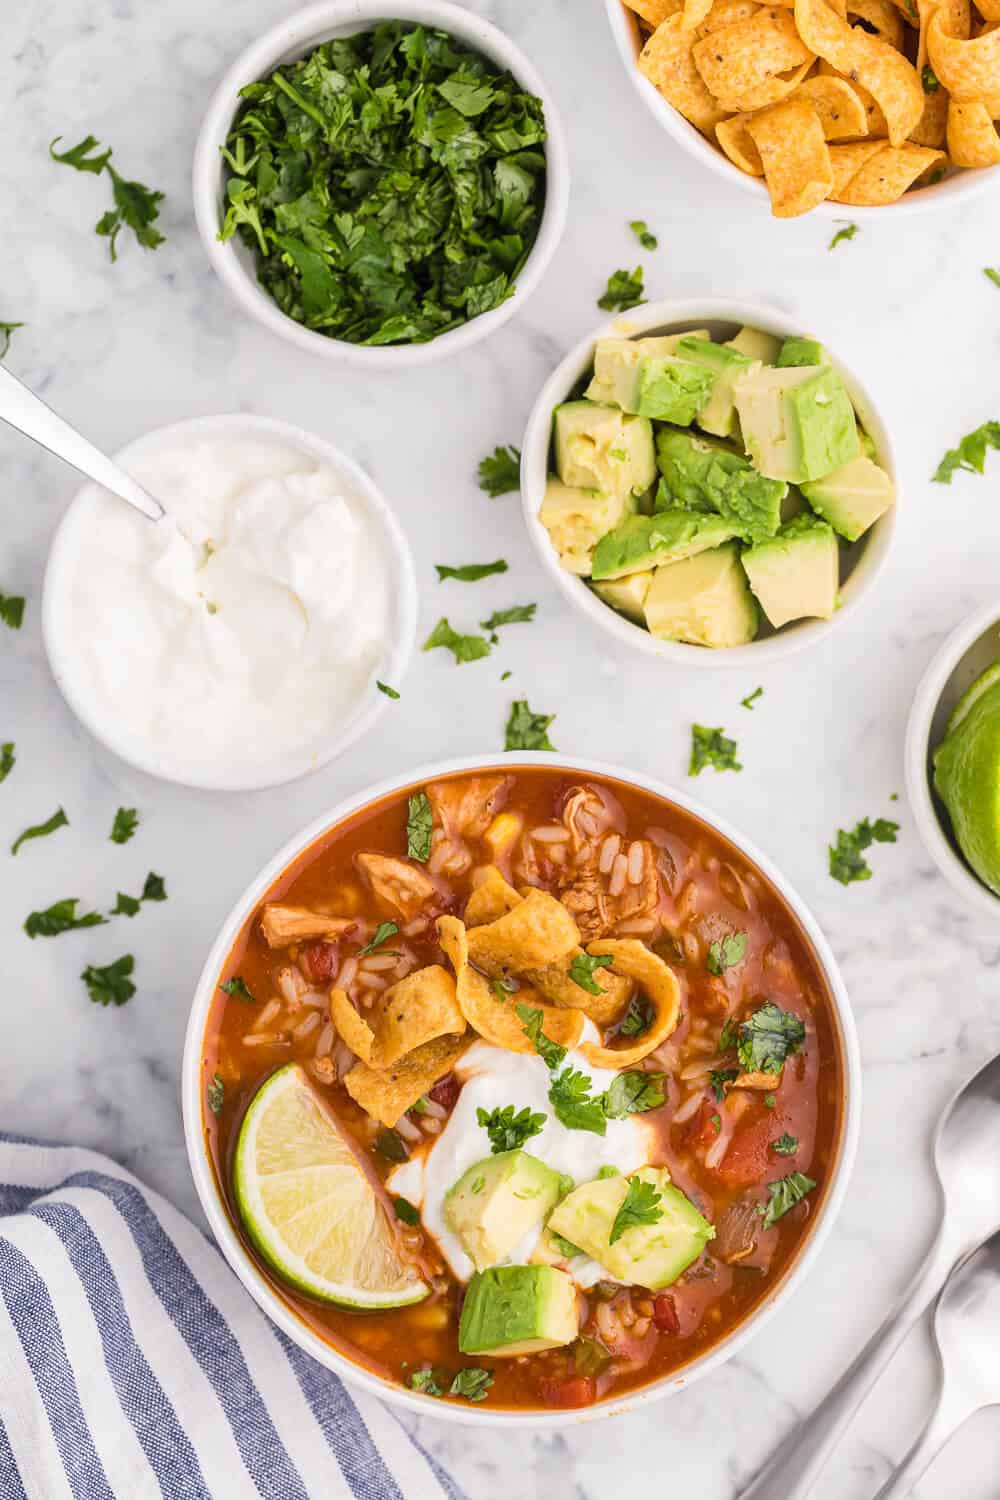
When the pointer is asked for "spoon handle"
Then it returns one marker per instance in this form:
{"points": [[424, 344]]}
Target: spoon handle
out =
{"points": [[796, 1466], [27, 412], [945, 1420]]}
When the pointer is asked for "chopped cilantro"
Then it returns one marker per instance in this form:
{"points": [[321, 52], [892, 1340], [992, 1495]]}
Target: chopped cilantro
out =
{"points": [[641, 230], [12, 610], [470, 572], [424, 1381], [727, 953], [710, 747], [718, 1078], [60, 917], [633, 1094], [112, 984], [641, 1206], [929, 79], [406, 1211], [531, 1020], [383, 932], [526, 730], [155, 888], [390, 1144], [992, 272], [517, 614], [505, 675], [770, 1101], [784, 1194], [419, 826], [624, 290], [581, 971], [472, 1383], [125, 906], [124, 826], [574, 1104], [215, 1094], [638, 1018], [7, 759], [6, 329], [785, 1145], [390, 692], [136, 206], [463, 647], [238, 989], [501, 472], [970, 455], [41, 830], [508, 1130], [847, 233], [727, 1036], [751, 698], [769, 1037], [717, 1122], [846, 861]]}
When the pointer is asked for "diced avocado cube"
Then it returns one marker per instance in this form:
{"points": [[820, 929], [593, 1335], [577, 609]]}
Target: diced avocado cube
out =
{"points": [[709, 477], [797, 423], [627, 595], [669, 343], [511, 1310], [853, 497], [664, 387], [718, 415], [756, 345], [644, 541], [795, 574], [798, 351], [577, 519], [497, 1201], [704, 600], [602, 448], [867, 444], [552, 1249], [649, 1255]]}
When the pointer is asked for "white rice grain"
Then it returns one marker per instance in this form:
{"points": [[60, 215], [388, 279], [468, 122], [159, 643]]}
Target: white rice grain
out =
{"points": [[618, 871], [266, 1016], [325, 1041], [348, 974], [550, 833], [609, 849], [636, 859], [306, 1027]]}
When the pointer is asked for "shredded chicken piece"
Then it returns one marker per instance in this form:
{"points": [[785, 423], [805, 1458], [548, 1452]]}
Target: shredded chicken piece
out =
{"points": [[402, 885], [763, 1081], [466, 808], [587, 897], [588, 818], [284, 925]]}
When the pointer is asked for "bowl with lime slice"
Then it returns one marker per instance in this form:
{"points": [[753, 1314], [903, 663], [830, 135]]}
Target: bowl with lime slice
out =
{"points": [[953, 760]]}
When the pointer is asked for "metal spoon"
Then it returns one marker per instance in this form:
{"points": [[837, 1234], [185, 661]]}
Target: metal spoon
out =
{"points": [[966, 1320], [27, 412], [966, 1152]]}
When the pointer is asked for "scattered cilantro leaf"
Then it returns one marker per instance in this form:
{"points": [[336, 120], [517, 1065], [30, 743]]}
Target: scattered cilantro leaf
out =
{"points": [[718, 1078], [136, 206], [390, 1144], [638, 1018], [12, 610], [846, 861], [531, 1020], [518, 614], [7, 759], [710, 747], [991, 271], [641, 230], [112, 984], [573, 1103], [847, 233], [215, 1094], [419, 827], [717, 1122], [929, 79], [633, 1094], [508, 1130], [41, 830], [727, 953], [155, 888], [60, 917], [424, 1381], [500, 473], [6, 329], [462, 647], [125, 906], [784, 1194], [641, 1206], [472, 1383], [751, 698], [124, 826], [526, 730], [505, 675], [770, 1101], [581, 970], [84, 156], [390, 692], [383, 932], [624, 290], [769, 1037], [785, 1145], [470, 572], [727, 1036], [970, 455], [406, 1211], [238, 988]]}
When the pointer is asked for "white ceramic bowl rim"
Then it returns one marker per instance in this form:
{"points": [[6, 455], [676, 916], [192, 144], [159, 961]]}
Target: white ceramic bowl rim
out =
{"points": [[964, 184], [256, 1285], [918, 729], [296, 763], [534, 469], [302, 31]]}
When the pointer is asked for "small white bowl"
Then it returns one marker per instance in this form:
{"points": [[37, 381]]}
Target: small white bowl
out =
{"points": [[280, 1312], [293, 38], [939, 195], [866, 556], [965, 654], [94, 715]]}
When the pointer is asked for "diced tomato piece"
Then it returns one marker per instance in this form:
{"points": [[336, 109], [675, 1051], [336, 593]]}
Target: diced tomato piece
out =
{"points": [[665, 1313], [446, 1091], [577, 1390], [746, 1161], [319, 961]]}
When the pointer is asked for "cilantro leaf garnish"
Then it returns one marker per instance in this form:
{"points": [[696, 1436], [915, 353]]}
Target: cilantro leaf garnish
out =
{"points": [[633, 1094], [239, 989], [992, 272], [60, 917], [41, 830], [710, 747], [472, 1383], [717, 1124], [7, 759], [500, 473], [727, 953], [6, 329], [470, 572], [847, 233], [518, 614], [624, 290], [125, 906], [12, 610], [929, 79], [531, 1020], [110, 985], [406, 1211], [84, 156], [970, 455], [508, 1130], [419, 827], [638, 1018], [155, 888], [390, 1144], [769, 1037], [785, 1145], [462, 647], [215, 1094], [390, 692], [751, 698], [424, 1381], [136, 206], [784, 1194], [581, 970], [641, 1206], [383, 932], [846, 861], [574, 1104], [718, 1078], [124, 826], [641, 230], [526, 730]]}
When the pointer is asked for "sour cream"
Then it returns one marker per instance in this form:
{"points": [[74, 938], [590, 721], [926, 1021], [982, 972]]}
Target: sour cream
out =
{"points": [[245, 626], [493, 1078]]}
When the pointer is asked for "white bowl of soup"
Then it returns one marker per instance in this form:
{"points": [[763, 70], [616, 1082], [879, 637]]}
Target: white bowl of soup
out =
{"points": [[507, 1017]]}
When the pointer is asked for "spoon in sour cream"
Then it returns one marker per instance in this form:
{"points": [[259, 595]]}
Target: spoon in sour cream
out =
{"points": [[28, 413]]}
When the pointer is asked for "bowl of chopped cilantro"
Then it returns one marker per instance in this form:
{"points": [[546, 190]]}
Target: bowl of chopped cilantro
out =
{"points": [[384, 186]]}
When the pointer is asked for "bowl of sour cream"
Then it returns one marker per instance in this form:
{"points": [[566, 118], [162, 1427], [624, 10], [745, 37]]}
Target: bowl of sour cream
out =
{"points": [[241, 641]]}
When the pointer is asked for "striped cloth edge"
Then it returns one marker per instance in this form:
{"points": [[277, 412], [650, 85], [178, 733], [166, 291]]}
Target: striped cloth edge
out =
{"points": [[134, 1366]]}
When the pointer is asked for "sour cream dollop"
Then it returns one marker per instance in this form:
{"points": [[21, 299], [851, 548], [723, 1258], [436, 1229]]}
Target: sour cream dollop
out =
{"points": [[245, 625]]}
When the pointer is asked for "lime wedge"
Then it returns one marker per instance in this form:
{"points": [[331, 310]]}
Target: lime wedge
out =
{"points": [[967, 776], [309, 1206]]}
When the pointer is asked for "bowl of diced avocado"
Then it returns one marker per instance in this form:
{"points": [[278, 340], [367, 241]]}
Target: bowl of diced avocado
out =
{"points": [[703, 480]]}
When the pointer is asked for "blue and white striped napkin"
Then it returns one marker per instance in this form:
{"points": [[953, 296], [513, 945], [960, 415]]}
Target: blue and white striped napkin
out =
{"points": [[134, 1366]]}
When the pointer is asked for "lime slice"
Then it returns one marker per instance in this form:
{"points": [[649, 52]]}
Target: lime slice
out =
{"points": [[309, 1206], [967, 776], [972, 694]]}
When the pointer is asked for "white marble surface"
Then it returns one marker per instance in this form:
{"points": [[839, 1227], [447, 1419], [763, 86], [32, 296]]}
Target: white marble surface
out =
{"points": [[120, 349]]}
